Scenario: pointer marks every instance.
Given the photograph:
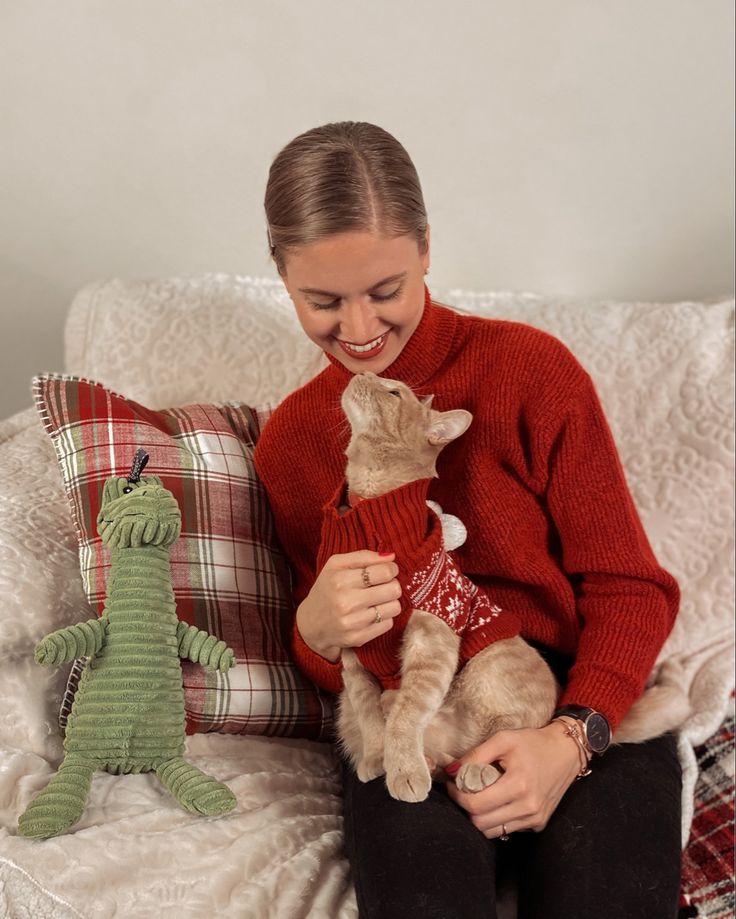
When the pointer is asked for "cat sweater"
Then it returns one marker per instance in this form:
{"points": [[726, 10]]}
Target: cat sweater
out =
{"points": [[429, 577], [554, 537]]}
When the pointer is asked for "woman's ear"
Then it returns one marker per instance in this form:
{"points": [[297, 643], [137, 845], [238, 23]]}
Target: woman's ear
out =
{"points": [[425, 257]]}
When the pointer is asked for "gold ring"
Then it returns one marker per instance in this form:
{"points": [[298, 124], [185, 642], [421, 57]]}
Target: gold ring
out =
{"points": [[379, 617], [366, 578], [504, 834]]}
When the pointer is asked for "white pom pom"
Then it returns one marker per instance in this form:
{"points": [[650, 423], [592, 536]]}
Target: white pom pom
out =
{"points": [[454, 533]]}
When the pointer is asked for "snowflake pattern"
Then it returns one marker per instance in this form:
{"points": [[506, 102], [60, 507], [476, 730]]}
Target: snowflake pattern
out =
{"points": [[442, 589]]}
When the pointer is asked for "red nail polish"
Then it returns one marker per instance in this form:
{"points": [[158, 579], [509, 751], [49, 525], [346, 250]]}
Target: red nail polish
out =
{"points": [[385, 553], [452, 768]]}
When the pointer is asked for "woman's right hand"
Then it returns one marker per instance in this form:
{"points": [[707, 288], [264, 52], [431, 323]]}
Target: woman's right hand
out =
{"points": [[340, 609]]}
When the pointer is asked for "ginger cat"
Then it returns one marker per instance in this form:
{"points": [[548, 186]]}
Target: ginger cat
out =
{"points": [[437, 715]]}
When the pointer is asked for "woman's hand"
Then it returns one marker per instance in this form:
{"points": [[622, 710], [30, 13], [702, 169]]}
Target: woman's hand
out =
{"points": [[539, 766], [340, 609]]}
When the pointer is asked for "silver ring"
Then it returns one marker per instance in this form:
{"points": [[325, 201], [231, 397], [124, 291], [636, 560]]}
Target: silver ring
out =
{"points": [[366, 578], [379, 617], [504, 833]]}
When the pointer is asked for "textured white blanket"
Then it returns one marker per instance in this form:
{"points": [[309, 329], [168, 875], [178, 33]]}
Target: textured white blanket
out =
{"points": [[664, 373]]}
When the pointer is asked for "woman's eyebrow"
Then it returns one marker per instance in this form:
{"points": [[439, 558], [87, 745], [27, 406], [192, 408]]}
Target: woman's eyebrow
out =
{"points": [[329, 293]]}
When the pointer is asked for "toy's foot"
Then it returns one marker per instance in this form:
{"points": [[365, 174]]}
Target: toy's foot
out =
{"points": [[194, 789], [61, 803]]}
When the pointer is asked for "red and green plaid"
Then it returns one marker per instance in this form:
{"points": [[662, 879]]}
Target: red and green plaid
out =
{"points": [[708, 860], [229, 574]]}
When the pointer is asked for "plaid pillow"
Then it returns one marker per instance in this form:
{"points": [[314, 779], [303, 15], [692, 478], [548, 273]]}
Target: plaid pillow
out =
{"points": [[229, 574]]}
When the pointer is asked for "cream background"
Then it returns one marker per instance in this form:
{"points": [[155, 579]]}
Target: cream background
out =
{"points": [[569, 149]]}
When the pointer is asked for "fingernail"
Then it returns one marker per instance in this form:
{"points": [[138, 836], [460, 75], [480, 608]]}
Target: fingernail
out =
{"points": [[452, 768], [385, 553]]}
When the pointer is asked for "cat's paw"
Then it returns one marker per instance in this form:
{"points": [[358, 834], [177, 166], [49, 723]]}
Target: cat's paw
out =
{"points": [[410, 785], [473, 777], [370, 767]]}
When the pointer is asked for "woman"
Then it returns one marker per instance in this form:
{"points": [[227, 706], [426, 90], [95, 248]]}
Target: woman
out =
{"points": [[554, 538]]}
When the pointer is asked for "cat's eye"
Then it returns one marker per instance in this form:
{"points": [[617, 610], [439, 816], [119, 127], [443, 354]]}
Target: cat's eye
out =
{"points": [[394, 392]]}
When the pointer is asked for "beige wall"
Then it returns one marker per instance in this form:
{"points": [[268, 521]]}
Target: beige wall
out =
{"points": [[570, 148]]}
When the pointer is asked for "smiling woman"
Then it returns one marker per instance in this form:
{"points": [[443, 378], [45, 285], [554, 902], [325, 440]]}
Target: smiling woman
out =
{"points": [[349, 236], [345, 208], [359, 295]]}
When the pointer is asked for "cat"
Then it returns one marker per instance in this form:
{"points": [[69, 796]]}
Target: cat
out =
{"points": [[437, 714]]}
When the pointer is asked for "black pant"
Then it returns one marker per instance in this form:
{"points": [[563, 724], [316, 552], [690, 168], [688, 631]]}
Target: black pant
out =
{"points": [[611, 849]]}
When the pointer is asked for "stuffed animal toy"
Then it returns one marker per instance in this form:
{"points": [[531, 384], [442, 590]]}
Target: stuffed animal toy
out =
{"points": [[128, 712]]}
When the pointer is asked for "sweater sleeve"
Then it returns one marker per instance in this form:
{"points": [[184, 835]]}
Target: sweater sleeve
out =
{"points": [[627, 603], [397, 521], [325, 673]]}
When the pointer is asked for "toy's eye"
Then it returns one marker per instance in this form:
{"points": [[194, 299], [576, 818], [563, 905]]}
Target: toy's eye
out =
{"points": [[127, 490]]}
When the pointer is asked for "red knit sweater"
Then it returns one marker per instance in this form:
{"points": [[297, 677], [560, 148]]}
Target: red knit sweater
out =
{"points": [[553, 534], [429, 577]]}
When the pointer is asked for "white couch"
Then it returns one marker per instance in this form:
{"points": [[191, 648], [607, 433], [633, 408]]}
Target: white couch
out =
{"points": [[663, 371]]}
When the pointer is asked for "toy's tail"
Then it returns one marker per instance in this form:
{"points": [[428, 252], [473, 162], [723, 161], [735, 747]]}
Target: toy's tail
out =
{"points": [[62, 801]]}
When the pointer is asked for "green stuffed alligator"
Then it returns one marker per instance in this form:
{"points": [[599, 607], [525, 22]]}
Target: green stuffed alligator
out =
{"points": [[128, 712]]}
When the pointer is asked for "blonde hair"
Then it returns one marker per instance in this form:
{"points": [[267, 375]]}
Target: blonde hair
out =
{"points": [[348, 175]]}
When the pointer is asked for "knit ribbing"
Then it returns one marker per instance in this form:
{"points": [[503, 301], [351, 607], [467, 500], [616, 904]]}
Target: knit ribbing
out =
{"points": [[401, 521], [553, 534], [398, 518]]}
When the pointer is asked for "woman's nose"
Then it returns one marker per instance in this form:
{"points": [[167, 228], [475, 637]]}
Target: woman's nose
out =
{"points": [[359, 324]]}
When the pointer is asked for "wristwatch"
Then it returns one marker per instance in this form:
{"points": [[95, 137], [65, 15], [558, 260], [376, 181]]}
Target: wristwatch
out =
{"points": [[596, 730]]}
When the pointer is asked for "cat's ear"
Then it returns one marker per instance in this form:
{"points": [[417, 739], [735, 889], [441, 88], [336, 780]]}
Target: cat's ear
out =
{"points": [[427, 400], [447, 426]]}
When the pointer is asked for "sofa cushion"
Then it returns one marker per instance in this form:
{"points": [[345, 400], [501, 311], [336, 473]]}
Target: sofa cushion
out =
{"points": [[228, 573]]}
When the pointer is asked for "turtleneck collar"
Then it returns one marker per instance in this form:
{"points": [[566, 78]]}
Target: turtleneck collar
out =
{"points": [[423, 354]]}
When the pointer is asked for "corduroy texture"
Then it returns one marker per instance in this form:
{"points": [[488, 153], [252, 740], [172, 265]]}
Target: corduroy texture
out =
{"points": [[553, 533], [228, 571], [128, 712], [428, 577]]}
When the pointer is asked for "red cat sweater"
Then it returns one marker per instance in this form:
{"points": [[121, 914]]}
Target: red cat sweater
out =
{"points": [[554, 537], [429, 577]]}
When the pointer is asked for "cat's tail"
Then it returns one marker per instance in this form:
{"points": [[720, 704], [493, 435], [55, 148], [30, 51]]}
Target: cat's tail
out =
{"points": [[663, 707]]}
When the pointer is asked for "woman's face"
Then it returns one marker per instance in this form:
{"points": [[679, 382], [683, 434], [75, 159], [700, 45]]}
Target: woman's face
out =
{"points": [[359, 296]]}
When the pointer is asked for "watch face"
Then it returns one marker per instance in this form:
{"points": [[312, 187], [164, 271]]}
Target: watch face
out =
{"points": [[597, 732]]}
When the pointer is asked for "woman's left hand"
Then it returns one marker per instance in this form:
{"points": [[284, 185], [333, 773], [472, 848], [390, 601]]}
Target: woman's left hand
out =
{"points": [[539, 766]]}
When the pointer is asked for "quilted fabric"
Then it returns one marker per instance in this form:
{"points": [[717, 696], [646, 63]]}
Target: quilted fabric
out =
{"points": [[228, 575], [208, 338]]}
